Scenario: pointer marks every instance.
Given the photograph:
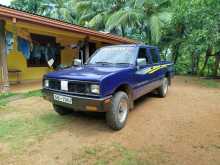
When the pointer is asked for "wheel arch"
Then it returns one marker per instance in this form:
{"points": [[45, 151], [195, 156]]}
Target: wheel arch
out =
{"points": [[168, 75], [128, 90]]}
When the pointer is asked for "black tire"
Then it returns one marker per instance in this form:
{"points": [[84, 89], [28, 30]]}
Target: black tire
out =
{"points": [[163, 89], [117, 116], [61, 110]]}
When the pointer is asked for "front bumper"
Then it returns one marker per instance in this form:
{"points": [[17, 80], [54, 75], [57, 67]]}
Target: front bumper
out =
{"points": [[79, 103]]}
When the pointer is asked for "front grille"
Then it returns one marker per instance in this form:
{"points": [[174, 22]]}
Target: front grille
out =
{"points": [[54, 84], [73, 86], [78, 87]]}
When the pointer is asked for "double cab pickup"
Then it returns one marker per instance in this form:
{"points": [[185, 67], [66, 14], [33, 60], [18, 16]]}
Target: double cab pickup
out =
{"points": [[109, 82]]}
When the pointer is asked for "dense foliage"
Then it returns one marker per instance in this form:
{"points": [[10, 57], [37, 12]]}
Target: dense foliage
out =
{"points": [[187, 31]]}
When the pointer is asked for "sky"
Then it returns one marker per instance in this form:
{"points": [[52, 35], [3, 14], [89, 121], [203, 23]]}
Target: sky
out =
{"points": [[5, 2]]}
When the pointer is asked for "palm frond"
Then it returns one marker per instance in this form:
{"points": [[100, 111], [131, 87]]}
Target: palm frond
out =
{"points": [[82, 6], [114, 20], [87, 17], [165, 17], [155, 28], [96, 21], [122, 17]]}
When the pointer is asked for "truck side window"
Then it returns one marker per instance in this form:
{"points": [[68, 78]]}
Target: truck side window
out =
{"points": [[142, 54], [154, 55]]}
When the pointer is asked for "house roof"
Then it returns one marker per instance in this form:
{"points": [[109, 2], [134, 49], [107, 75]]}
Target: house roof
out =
{"points": [[8, 12]]}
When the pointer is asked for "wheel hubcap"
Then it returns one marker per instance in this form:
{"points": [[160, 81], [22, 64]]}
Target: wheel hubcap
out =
{"points": [[123, 110], [165, 86]]}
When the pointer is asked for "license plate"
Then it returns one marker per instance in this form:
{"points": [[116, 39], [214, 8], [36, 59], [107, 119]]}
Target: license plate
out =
{"points": [[63, 99]]}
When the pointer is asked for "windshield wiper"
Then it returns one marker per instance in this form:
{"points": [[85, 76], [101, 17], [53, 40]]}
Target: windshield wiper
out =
{"points": [[122, 63], [104, 63]]}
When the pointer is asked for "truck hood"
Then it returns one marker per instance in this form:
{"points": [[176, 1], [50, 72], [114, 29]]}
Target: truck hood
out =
{"points": [[86, 73]]}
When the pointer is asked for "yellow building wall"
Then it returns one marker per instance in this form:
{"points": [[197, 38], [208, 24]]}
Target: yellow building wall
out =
{"points": [[67, 56], [17, 61]]}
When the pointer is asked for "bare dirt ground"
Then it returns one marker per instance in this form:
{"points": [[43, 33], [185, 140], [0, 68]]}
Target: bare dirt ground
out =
{"points": [[25, 87], [181, 129]]}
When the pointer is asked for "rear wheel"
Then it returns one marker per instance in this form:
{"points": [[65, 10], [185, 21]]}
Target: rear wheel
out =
{"points": [[116, 117], [163, 89], [61, 110]]}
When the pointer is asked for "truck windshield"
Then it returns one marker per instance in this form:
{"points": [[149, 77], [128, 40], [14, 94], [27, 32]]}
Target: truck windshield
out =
{"points": [[114, 55]]}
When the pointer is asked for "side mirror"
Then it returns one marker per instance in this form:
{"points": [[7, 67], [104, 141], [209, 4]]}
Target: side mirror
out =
{"points": [[77, 62], [141, 62]]}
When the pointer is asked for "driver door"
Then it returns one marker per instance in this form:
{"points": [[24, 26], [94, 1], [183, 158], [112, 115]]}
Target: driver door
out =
{"points": [[141, 76]]}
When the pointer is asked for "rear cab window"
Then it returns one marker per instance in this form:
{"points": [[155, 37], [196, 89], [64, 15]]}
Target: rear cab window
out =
{"points": [[154, 54]]}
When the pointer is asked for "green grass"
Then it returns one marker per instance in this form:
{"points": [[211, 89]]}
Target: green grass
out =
{"points": [[7, 97], [36, 93], [18, 132], [115, 154], [128, 156], [3, 103], [210, 83]]}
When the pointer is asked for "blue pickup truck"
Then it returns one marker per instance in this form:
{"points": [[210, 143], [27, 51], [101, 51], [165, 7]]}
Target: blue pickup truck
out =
{"points": [[111, 79]]}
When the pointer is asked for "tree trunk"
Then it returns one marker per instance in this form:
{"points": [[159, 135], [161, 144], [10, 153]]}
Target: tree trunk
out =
{"points": [[122, 31], [176, 53], [195, 63], [3, 58], [207, 55], [216, 65]]}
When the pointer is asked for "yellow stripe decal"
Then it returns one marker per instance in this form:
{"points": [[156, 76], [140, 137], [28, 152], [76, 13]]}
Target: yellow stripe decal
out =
{"points": [[155, 68]]}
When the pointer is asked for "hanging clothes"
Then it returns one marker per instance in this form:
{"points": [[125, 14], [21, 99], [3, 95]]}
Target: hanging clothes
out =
{"points": [[49, 55], [9, 42], [24, 47], [37, 51], [45, 51]]}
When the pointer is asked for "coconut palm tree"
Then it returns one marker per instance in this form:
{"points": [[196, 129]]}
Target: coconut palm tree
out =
{"points": [[143, 18], [28, 5], [94, 13], [147, 17], [59, 9]]}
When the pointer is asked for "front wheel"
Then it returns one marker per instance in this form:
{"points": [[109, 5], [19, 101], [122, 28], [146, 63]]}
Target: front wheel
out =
{"points": [[163, 89], [117, 116]]}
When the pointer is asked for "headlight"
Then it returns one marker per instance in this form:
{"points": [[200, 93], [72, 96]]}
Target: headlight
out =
{"points": [[46, 83], [95, 89]]}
